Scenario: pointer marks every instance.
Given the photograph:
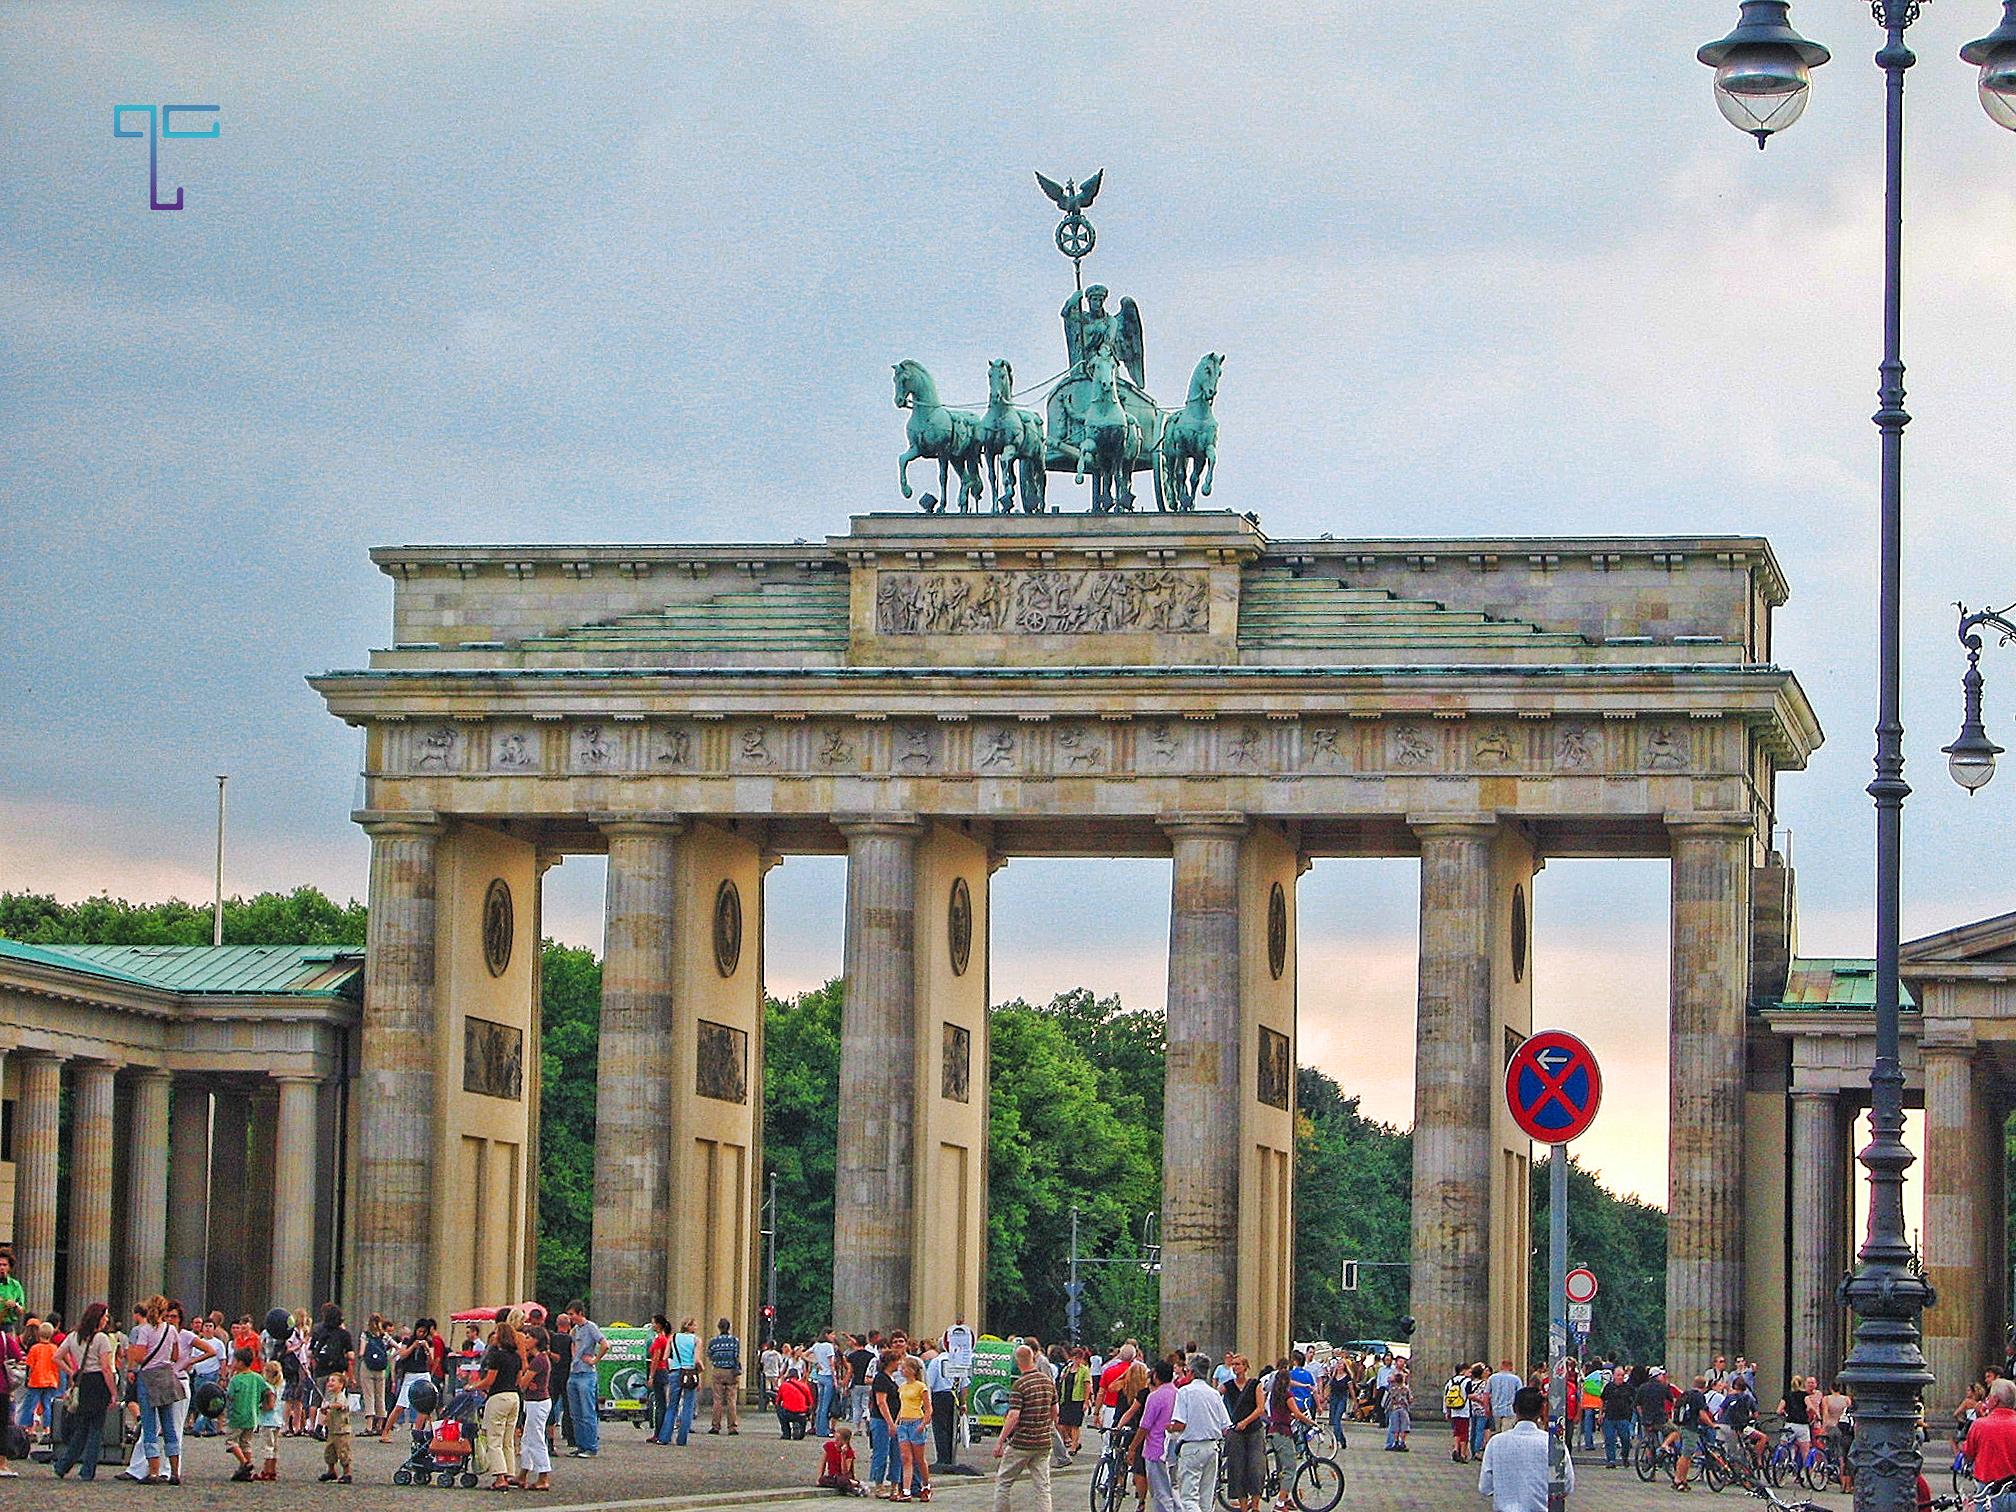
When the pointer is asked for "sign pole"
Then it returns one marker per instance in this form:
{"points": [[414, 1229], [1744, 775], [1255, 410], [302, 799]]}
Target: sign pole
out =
{"points": [[1557, 1328]]}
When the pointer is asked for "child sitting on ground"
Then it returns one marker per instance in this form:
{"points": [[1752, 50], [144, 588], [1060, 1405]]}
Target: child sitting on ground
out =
{"points": [[836, 1469], [336, 1420], [270, 1422], [248, 1396]]}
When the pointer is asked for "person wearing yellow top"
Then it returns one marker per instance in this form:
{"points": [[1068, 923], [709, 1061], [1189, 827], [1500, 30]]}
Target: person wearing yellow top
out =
{"points": [[913, 1430]]}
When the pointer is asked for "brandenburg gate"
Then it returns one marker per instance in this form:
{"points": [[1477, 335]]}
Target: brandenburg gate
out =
{"points": [[935, 696]]}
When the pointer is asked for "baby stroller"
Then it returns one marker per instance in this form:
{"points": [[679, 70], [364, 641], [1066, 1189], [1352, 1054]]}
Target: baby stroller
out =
{"points": [[442, 1457]]}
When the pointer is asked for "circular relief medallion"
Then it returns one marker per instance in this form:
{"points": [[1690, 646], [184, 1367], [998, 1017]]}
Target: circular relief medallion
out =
{"points": [[1277, 931], [959, 926], [727, 928], [497, 927], [1518, 932]]}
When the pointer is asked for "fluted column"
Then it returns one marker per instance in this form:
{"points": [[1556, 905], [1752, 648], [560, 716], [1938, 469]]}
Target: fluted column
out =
{"points": [[147, 1191], [1955, 1260], [1818, 1151], [1704, 1183], [189, 1213], [230, 1223], [90, 1269], [1202, 1099], [1454, 1086], [875, 1176], [396, 1091], [633, 1092], [35, 1150], [294, 1193]]}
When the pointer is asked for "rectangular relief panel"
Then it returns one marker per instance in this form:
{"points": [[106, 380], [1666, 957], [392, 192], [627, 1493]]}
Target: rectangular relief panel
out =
{"points": [[721, 1063], [493, 1059]]}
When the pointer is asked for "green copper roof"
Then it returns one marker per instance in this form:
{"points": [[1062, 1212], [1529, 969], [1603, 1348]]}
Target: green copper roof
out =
{"points": [[1834, 984], [295, 970], [1279, 610]]}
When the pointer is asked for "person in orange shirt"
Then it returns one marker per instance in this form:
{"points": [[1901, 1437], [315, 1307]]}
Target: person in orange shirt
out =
{"points": [[43, 1378]]}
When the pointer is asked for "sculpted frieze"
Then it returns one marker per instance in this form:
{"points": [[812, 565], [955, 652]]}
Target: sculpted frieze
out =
{"points": [[1162, 601]]}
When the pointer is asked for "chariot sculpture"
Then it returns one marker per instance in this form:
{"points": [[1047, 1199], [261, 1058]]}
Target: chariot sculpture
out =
{"points": [[1098, 420]]}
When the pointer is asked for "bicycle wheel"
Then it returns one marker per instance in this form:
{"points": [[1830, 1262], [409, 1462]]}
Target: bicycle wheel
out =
{"points": [[1645, 1460], [1102, 1484], [1319, 1485], [1715, 1471], [1224, 1482]]}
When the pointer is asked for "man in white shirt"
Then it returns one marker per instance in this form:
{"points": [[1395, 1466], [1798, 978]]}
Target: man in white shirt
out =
{"points": [[823, 1352], [1197, 1431], [1502, 1383], [1515, 1471]]}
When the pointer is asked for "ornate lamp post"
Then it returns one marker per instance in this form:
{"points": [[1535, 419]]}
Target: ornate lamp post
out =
{"points": [[1762, 79], [1971, 757]]}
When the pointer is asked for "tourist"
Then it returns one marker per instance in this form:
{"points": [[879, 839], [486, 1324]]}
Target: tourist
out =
{"points": [[412, 1363], [795, 1401], [1246, 1439], [247, 1398], [770, 1370], [212, 1354], [535, 1395], [1456, 1407], [92, 1363], [1074, 1387], [684, 1356], [1151, 1434], [497, 1378], [1692, 1425], [1480, 1408], [884, 1398], [331, 1350], [1340, 1386], [150, 1352], [658, 1371], [336, 1424], [1835, 1406], [1620, 1401], [836, 1463], [854, 1369], [1504, 1384], [13, 1300], [375, 1357], [1515, 1473], [1197, 1426], [1109, 1382], [724, 1363], [38, 1390], [1399, 1409], [1592, 1398], [823, 1355], [271, 1420], [588, 1348], [1023, 1446], [913, 1418], [1991, 1441], [944, 1392]]}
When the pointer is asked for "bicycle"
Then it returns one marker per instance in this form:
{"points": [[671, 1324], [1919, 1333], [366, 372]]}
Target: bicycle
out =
{"points": [[1970, 1495], [1785, 1460], [1316, 1486], [1109, 1473], [1651, 1456]]}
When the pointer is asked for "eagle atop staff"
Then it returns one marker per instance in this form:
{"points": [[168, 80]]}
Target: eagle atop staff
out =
{"points": [[1071, 197]]}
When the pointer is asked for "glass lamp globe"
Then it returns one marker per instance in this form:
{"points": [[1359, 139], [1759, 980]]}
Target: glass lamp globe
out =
{"points": [[1763, 89], [1971, 758], [1995, 55]]}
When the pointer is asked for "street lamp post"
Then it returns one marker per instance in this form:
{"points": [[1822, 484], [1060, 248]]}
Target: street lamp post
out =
{"points": [[1762, 80], [1971, 757]]}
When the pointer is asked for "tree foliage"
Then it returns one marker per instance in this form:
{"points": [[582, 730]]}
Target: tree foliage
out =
{"points": [[305, 916], [1353, 1178], [1623, 1241], [571, 1008]]}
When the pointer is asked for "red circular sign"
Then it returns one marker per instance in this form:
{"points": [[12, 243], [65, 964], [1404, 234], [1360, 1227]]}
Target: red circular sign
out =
{"points": [[1580, 1284], [1553, 1087]]}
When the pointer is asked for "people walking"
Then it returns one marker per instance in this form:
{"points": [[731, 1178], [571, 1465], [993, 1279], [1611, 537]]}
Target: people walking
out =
{"points": [[724, 1365], [1023, 1447], [1399, 1409], [94, 1371], [1620, 1401], [1246, 1441], [497, 1378], [1515, 1473], [658, 1371], [1199, 1425]]}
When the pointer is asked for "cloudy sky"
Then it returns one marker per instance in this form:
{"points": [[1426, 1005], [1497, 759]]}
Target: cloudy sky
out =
{"points": [[518, 272]]}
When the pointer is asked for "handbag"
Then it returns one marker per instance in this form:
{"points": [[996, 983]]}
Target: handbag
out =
{"points": [[161, 1382]]}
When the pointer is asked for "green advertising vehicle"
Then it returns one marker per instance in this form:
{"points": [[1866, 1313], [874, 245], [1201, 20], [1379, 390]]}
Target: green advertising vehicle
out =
{"points": [[623, 1376], [993, 1374]]}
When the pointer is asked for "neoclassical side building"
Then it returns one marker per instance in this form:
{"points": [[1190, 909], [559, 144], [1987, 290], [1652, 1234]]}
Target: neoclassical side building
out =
{"points": [[934, 697], [227, 1069]]}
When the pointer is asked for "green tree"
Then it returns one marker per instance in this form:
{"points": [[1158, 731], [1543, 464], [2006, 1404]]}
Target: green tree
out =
{"points": [[801, 1123], [571, 1009], [1353, 1178], [1623, 1241], [305, 916]]}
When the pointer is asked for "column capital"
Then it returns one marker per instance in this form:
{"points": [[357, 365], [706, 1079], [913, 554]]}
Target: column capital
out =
{"points": [[150, 1073], [647, 825], [1477, 826], [376, 822], [1711, 825], [1816, 1094], [1209, 824], [904, 826], [293, 1078], [1946, 1037], [39, 1056]]}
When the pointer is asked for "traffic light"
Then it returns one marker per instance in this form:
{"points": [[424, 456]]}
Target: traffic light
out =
{"points": [[769, 1313]]}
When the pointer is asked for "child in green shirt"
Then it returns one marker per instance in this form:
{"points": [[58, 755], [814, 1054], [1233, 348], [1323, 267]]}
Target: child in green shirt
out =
{"points": [[248, 1397]]}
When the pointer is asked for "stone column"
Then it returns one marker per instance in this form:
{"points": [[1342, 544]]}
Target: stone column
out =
{"points": [[229, 1221], [35, 1150], [1955, 1261], [259, 1169], [875, 1176], [294, 1194], [633, 1094], [189, 1213], [147, 1192], [1818, 1153], [1201, 1095], [395, 1083], [1454, 1084], [91, 1138], [1704, 1183]]}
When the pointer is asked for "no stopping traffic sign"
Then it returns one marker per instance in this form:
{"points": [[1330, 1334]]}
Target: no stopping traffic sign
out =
{"points": [[1553, 1087]]}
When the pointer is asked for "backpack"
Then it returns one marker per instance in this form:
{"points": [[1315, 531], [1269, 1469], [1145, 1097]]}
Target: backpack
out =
{"points": [[375, 1357], [1453, 1399]]}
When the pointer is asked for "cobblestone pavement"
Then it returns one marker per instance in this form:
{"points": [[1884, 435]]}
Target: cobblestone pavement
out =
{"points": [[756, 1468]]}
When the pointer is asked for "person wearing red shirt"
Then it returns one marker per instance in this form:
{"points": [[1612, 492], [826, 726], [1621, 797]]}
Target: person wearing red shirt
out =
{"points": [[1991, 1442], [794, 1406], [836, 1465], [1109, 1379]]}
